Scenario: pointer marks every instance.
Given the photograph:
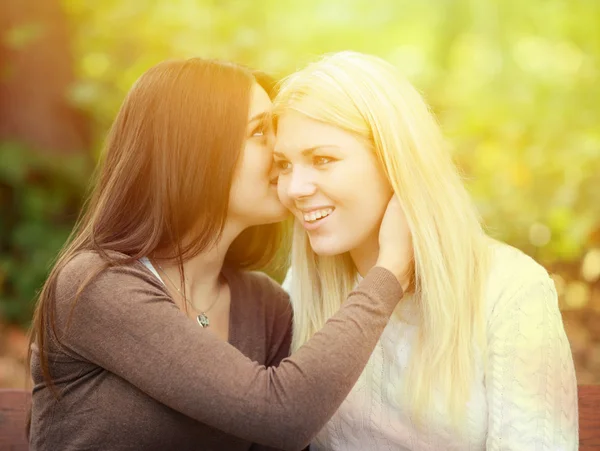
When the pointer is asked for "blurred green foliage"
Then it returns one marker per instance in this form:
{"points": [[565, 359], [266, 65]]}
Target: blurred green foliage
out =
{"points": [[40, 197], [514, 85]]}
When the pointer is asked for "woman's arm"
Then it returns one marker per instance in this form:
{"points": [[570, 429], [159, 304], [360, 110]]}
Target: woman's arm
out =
{"points": [[280, 339], [279, 346], [125, 322], [530, 379]]}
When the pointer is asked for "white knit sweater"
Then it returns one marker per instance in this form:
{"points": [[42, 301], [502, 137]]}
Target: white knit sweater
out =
{"points": [[525, 400]]}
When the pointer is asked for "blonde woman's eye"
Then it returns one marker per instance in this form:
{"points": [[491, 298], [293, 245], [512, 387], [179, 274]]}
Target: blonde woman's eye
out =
{"points": [[282, 165], [322, 160]]}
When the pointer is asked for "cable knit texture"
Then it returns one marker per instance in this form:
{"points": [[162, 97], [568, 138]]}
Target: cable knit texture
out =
{"points": [[526, 399]]}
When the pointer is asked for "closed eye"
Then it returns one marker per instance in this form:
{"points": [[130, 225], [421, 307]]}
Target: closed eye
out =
{"points": [[261, 130], [319, 160]]}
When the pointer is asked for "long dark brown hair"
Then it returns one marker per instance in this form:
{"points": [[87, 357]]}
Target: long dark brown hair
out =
{"points": [[165, 176]]}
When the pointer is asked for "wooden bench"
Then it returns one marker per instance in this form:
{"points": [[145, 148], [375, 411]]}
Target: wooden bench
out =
{"points": [[15, 403], [589, 417]]}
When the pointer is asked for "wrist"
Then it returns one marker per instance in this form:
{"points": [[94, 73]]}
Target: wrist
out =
{"points": [[395, 269], [401, 272]]}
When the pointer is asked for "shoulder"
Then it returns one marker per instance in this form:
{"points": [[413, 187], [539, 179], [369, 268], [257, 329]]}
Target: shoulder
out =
{"points": [[94, 272], [90, 285], [515, 277], [509, 265]]}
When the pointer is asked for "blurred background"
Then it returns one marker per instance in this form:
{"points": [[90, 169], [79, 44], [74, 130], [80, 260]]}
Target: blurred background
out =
{"points": [[514, 84]]}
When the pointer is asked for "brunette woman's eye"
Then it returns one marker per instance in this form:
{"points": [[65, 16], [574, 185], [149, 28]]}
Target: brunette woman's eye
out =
{"points": [[261, 130]]}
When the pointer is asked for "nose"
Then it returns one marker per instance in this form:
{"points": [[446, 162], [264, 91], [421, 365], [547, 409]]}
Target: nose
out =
{"points": [[300, 183]]}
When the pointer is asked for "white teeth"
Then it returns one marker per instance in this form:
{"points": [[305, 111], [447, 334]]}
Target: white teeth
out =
{"points": [[318, 214]]}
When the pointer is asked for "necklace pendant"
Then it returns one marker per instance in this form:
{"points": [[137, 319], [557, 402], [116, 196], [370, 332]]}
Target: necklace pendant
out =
{"points": [[203, 320]]}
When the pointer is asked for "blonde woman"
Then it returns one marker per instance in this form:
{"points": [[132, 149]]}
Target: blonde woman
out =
{"points": [[475, 356]]}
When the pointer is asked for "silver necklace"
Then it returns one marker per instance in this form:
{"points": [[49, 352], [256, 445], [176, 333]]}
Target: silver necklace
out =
{"points": [[202, 318]]}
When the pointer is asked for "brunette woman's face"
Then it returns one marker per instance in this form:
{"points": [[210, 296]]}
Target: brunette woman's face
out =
{"points": [[253, 197]]}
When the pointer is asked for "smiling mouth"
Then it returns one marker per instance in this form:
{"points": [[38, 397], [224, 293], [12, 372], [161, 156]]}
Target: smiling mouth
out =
{"points": [[317, 215]]}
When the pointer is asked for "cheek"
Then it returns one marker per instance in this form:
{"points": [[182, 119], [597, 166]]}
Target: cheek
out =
{"points": [[264, 163], [282, 189], [375, 197], [351, 183], [364, 192], [246, 182], [257, 161]]}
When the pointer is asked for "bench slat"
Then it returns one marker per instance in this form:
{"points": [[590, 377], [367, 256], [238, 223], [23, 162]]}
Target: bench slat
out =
{"points": [[589, 417], [14, 405]]}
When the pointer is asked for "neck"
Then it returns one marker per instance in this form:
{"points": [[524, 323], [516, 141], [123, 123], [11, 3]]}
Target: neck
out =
{"points": [[365, 255], [202, 272]]}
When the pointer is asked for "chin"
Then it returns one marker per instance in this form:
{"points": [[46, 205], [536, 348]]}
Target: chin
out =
{"points": [[327, 248]]}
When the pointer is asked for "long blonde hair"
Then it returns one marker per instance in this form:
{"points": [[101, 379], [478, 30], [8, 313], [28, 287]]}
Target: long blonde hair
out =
{"points": [[367, 96]]}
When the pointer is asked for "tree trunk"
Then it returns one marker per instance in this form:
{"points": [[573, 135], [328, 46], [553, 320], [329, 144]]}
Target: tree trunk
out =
{"points": [[36, 71]]}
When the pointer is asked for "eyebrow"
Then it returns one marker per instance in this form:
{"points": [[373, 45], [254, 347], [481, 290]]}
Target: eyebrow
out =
{"points": [[259, 117], [308, 151]]}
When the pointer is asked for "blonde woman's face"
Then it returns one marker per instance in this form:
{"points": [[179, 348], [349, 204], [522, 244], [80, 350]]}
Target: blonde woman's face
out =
{"points": [[331, 181]]}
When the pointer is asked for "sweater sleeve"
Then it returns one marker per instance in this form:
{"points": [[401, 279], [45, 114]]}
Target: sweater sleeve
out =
{"points": [[279, 343], [126, 323], [530, 377]]}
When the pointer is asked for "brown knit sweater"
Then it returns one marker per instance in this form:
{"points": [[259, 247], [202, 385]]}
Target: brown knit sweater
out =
{"points": [[135, 373]]}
